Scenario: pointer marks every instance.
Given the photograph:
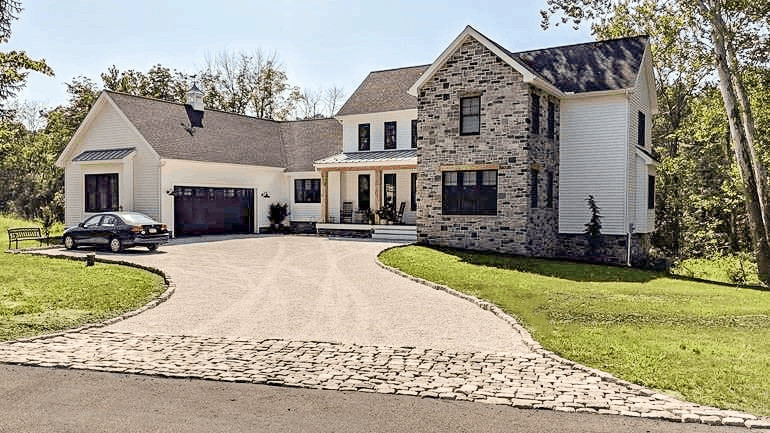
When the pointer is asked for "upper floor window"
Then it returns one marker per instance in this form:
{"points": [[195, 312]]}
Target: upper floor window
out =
{"points": [[390, 135], [101, 192], [551, 119], [307, 190], [469, 192], [414, 133], [470, 115], [535, 125], [650, 192], [642, 130], [363, 136]]}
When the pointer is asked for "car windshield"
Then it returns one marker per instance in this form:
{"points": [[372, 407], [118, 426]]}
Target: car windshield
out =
{"points": [[137, 218]]}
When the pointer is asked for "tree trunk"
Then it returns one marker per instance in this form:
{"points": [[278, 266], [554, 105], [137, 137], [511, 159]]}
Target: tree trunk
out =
{"points": [[754, 179]]}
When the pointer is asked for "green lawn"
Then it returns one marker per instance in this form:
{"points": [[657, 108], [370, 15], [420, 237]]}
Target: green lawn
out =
{"points": [[40, 295], [706, 343], [7, 222]]}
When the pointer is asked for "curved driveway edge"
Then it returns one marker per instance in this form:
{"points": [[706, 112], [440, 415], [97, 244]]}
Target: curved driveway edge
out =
{"points": [[673, 409], [154, 302]]}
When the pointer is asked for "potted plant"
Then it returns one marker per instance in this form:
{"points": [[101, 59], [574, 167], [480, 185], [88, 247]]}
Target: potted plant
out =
{"points": [[277, 214]]}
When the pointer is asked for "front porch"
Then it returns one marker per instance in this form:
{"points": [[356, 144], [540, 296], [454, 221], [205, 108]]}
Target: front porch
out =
{"points": [[369, 194]]}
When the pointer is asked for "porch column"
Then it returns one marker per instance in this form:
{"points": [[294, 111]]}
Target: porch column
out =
{"points": [[378, 187], [324, 195]]}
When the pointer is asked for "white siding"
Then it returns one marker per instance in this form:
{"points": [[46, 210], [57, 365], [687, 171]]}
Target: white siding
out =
{"points": [[110, 130], [306, 212], [268, 180], [639, 101], [593, 159], [376, 121]]}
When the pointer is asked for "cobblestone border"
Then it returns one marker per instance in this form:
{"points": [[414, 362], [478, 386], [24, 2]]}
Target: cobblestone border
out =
{"points": [[163, 297], [533, 345]]}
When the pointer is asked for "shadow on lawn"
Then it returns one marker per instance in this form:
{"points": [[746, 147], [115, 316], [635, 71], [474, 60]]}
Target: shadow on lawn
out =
{"points": [[573, 271]]}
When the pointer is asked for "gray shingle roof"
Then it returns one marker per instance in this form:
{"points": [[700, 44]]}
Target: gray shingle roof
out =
{"points": [[104, 155], [229, 138], [376, 156], [384, 91], [593, 66]]}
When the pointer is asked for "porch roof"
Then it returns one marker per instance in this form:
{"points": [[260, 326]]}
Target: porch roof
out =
{"points": [[104, 155], [385, 157]]}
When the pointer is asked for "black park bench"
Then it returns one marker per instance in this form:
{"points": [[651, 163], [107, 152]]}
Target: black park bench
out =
{"points": [[25, 234]]}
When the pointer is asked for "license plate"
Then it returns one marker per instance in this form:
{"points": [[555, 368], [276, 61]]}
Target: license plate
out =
{"points": [[152, 230]]}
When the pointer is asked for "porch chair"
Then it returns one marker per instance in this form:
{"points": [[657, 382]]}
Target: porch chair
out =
{"points": [[347, 212], [400, 214]]}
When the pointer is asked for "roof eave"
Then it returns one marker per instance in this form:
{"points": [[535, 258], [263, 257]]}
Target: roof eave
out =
{"points": [[389, 163], [595, 93]]}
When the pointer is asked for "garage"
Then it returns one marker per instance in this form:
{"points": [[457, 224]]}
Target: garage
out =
{"points": [[205, 210]]}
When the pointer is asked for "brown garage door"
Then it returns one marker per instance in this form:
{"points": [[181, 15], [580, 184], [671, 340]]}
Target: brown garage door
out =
{"points": [[202, 210]]}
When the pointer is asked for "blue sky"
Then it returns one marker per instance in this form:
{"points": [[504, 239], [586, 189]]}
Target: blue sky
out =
{"points": [[334, 42]]}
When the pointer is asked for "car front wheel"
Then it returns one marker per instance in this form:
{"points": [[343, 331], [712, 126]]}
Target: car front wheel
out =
{"points": [[116, 245], [69, 243], [152, 247]]}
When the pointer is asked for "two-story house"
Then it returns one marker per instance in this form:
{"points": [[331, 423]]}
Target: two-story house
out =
{"points": [[484, 148]]}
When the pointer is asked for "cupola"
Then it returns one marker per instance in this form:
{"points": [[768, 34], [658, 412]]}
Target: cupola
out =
{"points": [[195, 98]]}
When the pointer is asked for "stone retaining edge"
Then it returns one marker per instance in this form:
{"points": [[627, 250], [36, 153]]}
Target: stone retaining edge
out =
{"points": [[537, 348], [163, 297]]}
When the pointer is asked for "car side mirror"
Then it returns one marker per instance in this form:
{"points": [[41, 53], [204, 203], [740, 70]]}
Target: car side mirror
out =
{"points": [[81, 224]]}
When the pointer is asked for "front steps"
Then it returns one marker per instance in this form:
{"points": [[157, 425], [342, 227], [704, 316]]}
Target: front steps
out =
{"points": [[395, 233]]}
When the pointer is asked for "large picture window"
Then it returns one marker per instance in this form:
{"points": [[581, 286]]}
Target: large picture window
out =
{"points": [[363, 136], [102, 192], [469, 192], [307, 190], [390, 135], [470, 115]]}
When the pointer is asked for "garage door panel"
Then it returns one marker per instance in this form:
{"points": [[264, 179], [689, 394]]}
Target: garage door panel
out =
{"points": [[202, 210]]}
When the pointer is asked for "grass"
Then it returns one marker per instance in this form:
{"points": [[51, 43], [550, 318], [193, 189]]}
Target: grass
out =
{"points": [[733, 269], [706, 343], [7, 222], [41, 295]]}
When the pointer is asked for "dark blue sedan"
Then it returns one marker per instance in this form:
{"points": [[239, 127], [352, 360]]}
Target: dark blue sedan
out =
{"points": [[117, 230]]}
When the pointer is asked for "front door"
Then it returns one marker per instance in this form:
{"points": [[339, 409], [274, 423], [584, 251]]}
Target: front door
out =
{"points": [[364, 202], [389, 191]]}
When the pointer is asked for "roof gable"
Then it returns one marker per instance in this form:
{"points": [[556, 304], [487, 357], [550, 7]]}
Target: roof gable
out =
{"points": [[384, 91], [581, 68]]}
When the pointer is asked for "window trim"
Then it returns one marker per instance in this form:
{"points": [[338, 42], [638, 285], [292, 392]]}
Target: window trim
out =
{"points": [[414, 133], [472, 194], [464, 115], [312, 190], [368, 128], [385, 144], [114, 201], [650, 192]]}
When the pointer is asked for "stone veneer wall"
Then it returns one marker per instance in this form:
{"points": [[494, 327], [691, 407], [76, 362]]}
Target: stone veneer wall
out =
{"points": [[504, 141], [614, 247]]}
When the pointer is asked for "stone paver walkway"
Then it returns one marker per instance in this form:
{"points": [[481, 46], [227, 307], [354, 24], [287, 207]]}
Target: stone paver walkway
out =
{"points": [[521, 380]]}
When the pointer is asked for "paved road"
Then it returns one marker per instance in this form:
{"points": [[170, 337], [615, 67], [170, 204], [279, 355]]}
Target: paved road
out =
{"points": [[306, 288], [55, 400]]}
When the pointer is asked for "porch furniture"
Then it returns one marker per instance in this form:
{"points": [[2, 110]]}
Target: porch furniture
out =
{"points": [[347, 212], [400, 214], [25, 234]]}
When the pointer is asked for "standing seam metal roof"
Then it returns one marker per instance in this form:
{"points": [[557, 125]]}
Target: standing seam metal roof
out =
{"points": [[104, 155]]}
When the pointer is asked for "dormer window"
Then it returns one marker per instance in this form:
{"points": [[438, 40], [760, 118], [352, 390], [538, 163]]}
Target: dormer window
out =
{"points": [[470, 115], [363, 136], [390, 135]]}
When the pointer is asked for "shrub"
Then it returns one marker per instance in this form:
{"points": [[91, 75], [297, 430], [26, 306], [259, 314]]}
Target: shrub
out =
{"points": [[278, 213]]}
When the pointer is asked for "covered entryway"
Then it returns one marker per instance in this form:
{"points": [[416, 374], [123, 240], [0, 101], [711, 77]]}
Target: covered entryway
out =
{"points": [[205, 210]]}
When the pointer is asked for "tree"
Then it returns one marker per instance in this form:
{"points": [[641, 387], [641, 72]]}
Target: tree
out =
{"points": [[734, 35], [593, 229], [15, 66], [159, 82]]}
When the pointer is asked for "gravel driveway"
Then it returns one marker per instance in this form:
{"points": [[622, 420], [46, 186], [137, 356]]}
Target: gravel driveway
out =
{"points": [[306, 288]]}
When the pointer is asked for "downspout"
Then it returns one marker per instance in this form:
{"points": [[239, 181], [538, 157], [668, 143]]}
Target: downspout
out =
{"points": [[625, 175]]}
